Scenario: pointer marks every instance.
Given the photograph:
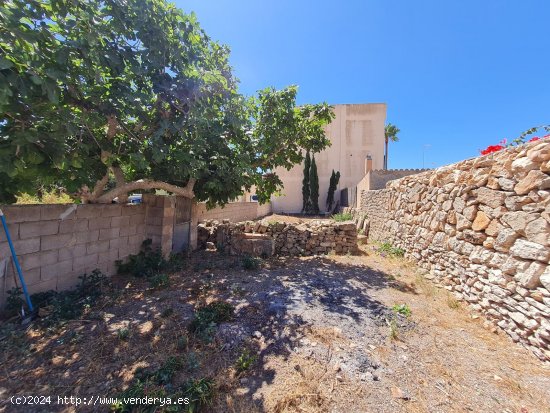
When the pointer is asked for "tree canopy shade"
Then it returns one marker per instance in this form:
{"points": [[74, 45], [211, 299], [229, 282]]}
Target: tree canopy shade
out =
{"points": [[135, 92]]}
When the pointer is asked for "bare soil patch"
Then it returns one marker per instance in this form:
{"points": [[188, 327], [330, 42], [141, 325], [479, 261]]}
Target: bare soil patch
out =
{"points": [[313, 334]]}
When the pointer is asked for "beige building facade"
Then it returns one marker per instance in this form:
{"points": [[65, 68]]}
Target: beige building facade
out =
{"points": [[356, 132]]}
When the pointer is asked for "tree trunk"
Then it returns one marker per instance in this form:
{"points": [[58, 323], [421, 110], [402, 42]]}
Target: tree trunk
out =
{"points": [[386, 155]]}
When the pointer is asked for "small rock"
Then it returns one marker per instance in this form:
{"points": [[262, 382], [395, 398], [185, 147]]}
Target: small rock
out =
{"points": [[397, 393]]}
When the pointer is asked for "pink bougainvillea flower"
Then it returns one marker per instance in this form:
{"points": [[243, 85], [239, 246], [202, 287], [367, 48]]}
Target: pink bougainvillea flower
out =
{"points": [[534, 139], [546, 137]]}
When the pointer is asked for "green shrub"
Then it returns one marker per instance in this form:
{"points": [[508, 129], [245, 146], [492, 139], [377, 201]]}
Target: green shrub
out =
{"points": [[159, 281], [250, 263], [14, 302], [123, 334], [149, 262], [68, 305], [342, 217]]}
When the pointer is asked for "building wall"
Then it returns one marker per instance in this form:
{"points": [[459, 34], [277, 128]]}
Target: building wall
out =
{"points": [[356, 131], [378, 179], [482, 229]]}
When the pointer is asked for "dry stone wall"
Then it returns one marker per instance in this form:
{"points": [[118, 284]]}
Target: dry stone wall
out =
{"points": [[312, 238], [482, 228]]}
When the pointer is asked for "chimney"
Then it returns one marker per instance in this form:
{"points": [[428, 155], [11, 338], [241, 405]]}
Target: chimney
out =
{"points": [[368, 164]]}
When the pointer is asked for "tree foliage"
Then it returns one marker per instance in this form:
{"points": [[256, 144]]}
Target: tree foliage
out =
{"points": [[313, 187], [333, 185], [390, 134], [133, 93], [305, 184]]}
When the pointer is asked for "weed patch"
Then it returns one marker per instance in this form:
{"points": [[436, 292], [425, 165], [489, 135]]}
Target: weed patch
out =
{"points": [[342, 217], [250, 263], [452, 302], [158, 383], [387, 248], [245, 360], [402, 309], [208, 317], [159, 281], [149, 262]]}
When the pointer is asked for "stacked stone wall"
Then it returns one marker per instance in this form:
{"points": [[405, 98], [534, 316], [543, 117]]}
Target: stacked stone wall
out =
{"points": [[482, 229], [312, 238]]}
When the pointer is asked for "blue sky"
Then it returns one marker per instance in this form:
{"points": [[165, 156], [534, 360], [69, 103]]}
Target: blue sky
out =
{"points": [[457, 75]]}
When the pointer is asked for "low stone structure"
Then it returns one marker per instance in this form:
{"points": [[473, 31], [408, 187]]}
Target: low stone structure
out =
{"points": [[482, 229], [280, 238]]}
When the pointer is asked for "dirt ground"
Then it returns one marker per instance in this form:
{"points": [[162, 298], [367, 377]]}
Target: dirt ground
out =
{"points": [[321, 331]]}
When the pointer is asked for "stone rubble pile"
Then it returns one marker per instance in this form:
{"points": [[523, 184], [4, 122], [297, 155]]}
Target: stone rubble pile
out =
{"points": [[482, 229], [310, 238]]}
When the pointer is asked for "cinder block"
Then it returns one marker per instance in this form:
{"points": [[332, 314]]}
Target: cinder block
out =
{"points": [[81, 263], [120, 222], [135, 240], [21, 213], [87, 236], [97, 246], [77, 250], [89, 211], [68, 282], [133, 209], [154, 221], [22, 247], [137, 219], [154, 212], [110, 233], [36, 229], [56, 212], [112, 210], [38, 259], [118, 242], [43, 286], [130, 230], [60, 269], [31, 277], [14, 232], [73, 225], [108, 256], [55, 242], [99, 223]]}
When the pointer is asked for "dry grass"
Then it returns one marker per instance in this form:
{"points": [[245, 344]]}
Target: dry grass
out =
{"points": [[303, 391]]}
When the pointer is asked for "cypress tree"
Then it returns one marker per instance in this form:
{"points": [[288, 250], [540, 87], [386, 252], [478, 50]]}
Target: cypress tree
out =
{"points": [[305, 184], [333, 185], [314, 187]]}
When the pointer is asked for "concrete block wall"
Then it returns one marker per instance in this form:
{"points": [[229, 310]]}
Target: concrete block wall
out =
{"points": [[56, 244], [160, 212]]}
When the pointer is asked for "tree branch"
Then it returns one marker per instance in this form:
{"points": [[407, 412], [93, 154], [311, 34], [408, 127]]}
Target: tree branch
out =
{"points": [[146, 184], [86, 196], [120, 181]]}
